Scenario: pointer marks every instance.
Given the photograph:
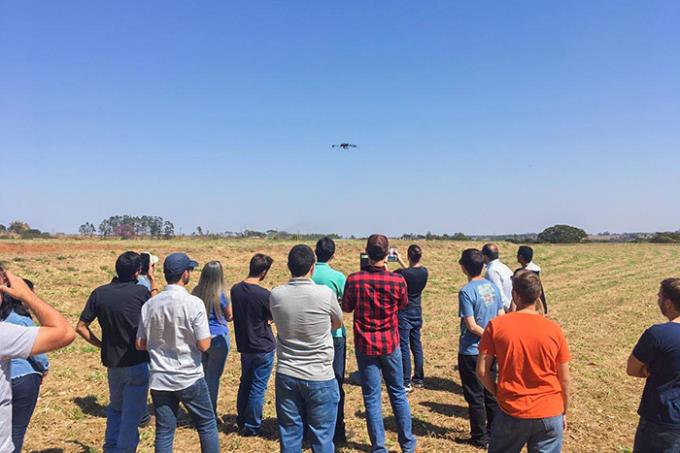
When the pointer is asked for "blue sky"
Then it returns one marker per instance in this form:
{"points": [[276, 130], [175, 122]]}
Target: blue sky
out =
{"points": [[481, 117]]}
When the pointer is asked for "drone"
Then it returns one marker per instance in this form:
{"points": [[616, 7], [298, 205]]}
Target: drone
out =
{"points": [[344, 146]]}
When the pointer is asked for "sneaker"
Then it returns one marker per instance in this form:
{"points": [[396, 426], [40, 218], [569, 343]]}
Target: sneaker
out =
{"points": [[408, 388], [146, 421], [418, 383]]}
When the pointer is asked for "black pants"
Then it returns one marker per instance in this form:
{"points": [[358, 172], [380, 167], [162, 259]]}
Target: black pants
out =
{"points": [[482, 406], [339, 363]]}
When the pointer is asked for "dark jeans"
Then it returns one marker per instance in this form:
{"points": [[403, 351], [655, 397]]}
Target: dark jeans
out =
{"points": [[410, 323], [25, 390], [255, 371], [390, 367], [651, 437], [339, 363], [306, 406], [196, 400], [540, 435], [213, 365], [482, 406]]}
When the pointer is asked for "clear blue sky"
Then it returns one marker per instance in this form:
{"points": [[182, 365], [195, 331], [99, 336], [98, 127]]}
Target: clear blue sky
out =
{"points": [[481, 117]]}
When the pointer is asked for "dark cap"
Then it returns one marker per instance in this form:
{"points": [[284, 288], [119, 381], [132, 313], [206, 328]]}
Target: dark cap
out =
{"points": [[377, 247], [176, 263]]}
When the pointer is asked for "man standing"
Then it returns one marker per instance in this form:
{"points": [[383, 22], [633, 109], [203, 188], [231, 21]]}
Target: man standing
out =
{"points": [[375, 295], [525, 256], [479, 302], [117, 307], [533, 381], [306, 390], [324, 274], [498, 273], [656, 357], [255, 342], [21, 342], [174, 329]]}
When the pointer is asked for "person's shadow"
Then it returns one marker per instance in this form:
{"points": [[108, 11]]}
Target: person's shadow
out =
{"points": [[443, 385], [450, 410], [90, 406]]}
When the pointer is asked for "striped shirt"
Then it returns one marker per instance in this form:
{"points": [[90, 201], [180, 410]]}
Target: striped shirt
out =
{"points": [[375, 295]]}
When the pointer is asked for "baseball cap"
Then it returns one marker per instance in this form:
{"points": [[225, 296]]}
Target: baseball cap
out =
{"points": [[153, 259], [176, 263], [377, 246]]}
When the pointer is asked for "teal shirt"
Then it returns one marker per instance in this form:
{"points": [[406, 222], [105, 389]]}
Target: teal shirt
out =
{"points": [[335, 280]]}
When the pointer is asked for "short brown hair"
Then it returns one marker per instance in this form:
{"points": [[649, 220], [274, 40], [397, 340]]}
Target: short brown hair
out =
{"points": [[670, 289], [527, 285]]}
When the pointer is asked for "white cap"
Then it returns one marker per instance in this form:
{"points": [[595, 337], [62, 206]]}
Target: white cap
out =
{"points": [[153, 259]]}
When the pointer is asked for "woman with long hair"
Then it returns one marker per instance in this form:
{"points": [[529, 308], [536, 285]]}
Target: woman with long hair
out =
{"points": [[210, 290]]}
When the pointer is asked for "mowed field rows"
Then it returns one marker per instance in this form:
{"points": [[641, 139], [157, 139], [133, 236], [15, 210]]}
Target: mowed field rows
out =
{"points": [[603, 296]]}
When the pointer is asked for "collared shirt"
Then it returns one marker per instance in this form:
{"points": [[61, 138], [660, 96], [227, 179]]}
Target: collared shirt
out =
{"points": [[36, 364], [501, 276], [303, 312], [117, 307], [533, 267], [324, 274], [172, 323], [375, 295]]}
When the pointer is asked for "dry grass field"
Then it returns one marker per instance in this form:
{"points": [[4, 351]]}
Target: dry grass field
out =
{"points": [[603, 295]]}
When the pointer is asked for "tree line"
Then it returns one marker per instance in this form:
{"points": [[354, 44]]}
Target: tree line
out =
{"points": [[128, 227]]}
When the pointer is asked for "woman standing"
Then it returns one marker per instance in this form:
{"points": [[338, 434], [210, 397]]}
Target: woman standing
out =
{"points": [[27, 374], [210, 290], [411, 317]]}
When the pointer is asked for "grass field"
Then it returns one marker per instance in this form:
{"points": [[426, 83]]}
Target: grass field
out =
{"points": [[603, 296]]}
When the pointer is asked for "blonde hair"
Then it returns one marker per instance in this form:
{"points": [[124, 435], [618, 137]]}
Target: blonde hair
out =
{"points": [[211, 287]]}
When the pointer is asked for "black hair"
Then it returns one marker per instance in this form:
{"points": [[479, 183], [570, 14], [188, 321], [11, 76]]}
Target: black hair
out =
{"points": [[325, 249], [146, 263], [490, 251], [300, 260], [473, 261], [670, 289], [10, 304], [526, 253], [171, 279], [127, 265], [415, 253], [259, 264]]}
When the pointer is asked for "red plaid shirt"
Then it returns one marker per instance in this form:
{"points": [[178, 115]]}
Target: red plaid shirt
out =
{"points": [[375, 295]]}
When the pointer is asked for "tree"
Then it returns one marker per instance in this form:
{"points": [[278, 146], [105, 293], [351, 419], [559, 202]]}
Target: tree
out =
{"points": [[87, 229], [168, 230], [562, 234], [124, 230], [19, 227], [3, 228]]}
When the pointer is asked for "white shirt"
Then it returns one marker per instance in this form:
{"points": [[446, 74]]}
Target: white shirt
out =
{"points": [[501, 276], [533, 267], [172, 323]]}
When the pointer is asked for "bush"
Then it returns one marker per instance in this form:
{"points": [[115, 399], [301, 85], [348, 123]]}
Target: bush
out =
{"points": [[562, 234]]}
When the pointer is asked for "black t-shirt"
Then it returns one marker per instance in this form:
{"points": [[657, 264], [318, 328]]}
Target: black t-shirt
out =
{"points": [[118, 307], [250, 304], [416, 280]]}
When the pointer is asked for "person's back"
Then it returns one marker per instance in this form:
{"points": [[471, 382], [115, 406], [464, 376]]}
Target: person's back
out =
{"points": [[250, 303], [173, 323], [480, 299], [498, 273], [529, 349], [416, 281]]}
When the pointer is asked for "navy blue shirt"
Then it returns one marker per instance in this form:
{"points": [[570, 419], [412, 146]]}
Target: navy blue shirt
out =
{"points": [[659, 349], [251, 318]]}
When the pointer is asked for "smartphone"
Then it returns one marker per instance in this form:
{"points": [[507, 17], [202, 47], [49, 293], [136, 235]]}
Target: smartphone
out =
{"points": [[392, 256], [363, 261]]}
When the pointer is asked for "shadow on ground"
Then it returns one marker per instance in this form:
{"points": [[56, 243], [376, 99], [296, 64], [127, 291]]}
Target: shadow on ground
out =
{"points": [[420, 427], [269, 429], [443, 385], [90, 406], [450, 410]]}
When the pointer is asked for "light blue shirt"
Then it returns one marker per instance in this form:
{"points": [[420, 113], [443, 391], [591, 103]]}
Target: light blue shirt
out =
{"points": [[144, 281], [480, 299]]}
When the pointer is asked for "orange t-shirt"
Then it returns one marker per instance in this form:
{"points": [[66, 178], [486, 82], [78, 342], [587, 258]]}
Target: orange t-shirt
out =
{"points": [[529, 349]]}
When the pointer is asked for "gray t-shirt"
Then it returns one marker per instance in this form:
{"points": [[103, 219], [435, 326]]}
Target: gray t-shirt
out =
{"points": [[172, 323], [16, 342], [302, 312]]}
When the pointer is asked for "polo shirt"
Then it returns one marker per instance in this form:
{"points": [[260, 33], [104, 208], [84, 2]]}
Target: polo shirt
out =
{"points": [[117, 307], [501, 276], [324, 274]]}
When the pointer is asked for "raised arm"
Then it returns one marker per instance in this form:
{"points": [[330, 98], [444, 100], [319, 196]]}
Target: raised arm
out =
{"points": [[54, 331]]}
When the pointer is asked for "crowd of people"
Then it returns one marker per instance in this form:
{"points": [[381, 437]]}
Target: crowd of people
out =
{"points": [[513, 361]]}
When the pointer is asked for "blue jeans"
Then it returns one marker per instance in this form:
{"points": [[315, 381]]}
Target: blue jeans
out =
{"points": [[410, 322], [25, 390], [128, 387], [652, 437], [339, 363], [213, 365], [370, 369], [196, 400], [540, 435], [255, 371], [306, 406]]}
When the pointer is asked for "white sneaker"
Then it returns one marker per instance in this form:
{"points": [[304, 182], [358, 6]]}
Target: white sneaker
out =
{"points": [[408, 388]]}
